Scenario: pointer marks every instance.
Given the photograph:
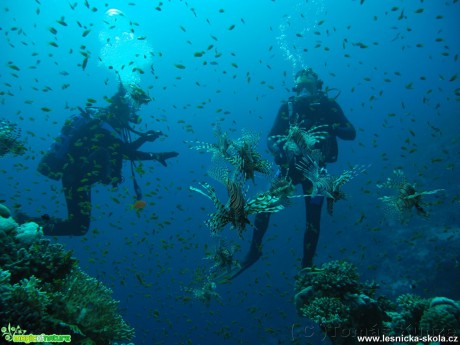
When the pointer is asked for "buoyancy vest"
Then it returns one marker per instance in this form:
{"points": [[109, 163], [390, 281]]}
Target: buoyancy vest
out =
{"points": [[54, 160]]}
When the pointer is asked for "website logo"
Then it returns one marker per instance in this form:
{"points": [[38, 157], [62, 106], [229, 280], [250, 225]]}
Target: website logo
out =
{"points": [[18, 335]]}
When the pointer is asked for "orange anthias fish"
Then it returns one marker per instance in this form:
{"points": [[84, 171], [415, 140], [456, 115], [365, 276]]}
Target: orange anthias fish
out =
{"points": [[139, 205]]}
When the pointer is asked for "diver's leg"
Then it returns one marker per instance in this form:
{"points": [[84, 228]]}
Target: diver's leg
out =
{"points": [[255, 250], [78, 199], [313, 206], [260, 228]]}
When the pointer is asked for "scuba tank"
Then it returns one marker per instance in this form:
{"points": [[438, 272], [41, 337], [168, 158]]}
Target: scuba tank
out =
{"points": [[52, 163]]}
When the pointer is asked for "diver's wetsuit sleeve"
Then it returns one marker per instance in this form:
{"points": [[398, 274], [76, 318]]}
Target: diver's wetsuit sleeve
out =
{"points": [[343, 128], [136, 144], [160, 157], [129, 151], [139, 155]]}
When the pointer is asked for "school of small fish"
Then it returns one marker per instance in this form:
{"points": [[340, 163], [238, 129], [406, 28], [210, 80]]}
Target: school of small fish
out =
{"points": [[35, 39]]}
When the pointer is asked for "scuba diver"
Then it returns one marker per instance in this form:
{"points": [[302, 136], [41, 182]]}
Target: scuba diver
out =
{"points": [[309, 109], [91, 149]]}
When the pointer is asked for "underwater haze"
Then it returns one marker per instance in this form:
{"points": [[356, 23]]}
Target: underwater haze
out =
{"points": [[394, 66]]}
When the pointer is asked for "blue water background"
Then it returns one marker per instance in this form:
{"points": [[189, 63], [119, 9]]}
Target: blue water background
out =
{"points": [[396, 68]]}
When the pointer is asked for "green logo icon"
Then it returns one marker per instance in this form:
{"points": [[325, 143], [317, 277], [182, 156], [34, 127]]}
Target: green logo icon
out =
{"points": [[18, 335]]}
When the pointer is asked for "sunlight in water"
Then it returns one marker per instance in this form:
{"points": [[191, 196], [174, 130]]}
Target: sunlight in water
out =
{"points": [[295, 31], [123, 51]]}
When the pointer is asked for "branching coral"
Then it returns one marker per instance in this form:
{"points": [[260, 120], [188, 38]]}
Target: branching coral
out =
{"points": [[88, 305], [30, 302], [420, 316], [333, 297], [41, 288], [329, 312], [441, 318], [411, 308], [336, 278]]}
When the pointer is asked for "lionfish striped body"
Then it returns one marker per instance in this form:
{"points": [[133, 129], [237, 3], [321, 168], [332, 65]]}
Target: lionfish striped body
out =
{"points": [[241, 153], [236, 206], [222, 258], [237, 210], [233, 211], [406, 198], [9, 138], [299, 140], [325, 184]]}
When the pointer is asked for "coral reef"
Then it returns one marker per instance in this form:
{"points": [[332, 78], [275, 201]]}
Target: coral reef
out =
{"points": [[419, 316], [442, 317], [345, 308], [406, 314], [333, 297], [43, 290], [329, 312]]}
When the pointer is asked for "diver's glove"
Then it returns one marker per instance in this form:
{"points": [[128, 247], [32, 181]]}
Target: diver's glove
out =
{"points": [[163, 156], [152, 135]]}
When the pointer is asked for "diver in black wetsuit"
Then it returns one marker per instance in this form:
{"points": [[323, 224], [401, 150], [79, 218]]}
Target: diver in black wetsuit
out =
{"points": [[95, 153], [310, 107]]}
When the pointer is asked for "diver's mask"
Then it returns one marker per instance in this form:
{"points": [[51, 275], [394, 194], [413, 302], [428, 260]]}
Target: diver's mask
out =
{"points": [[307, 83], [136, 97], [303, 92]]}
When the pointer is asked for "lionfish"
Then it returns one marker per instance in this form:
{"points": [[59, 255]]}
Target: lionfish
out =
{"points": [[244, 156], [233, 211], [406, 198], [237, 209], [219, 149], [203, 288], [325, 184], [9, 138], [300, 141], [223, 260], [240, 153]]}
